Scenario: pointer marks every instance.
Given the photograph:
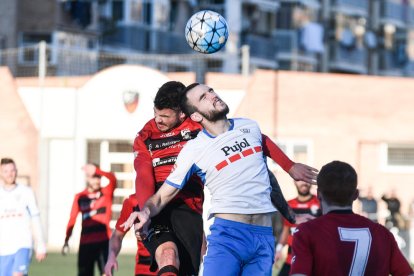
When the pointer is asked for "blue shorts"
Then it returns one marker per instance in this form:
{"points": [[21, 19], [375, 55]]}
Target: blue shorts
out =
{"points": [[235, 248], [17, 262]]}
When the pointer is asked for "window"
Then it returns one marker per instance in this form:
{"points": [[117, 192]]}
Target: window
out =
{"points": [[140, 11], [297, 150], [117, 157], [398, 157], [29, 47]]}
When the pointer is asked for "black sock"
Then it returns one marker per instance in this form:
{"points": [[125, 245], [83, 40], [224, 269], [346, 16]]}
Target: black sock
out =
{"points": [[168, 270]]}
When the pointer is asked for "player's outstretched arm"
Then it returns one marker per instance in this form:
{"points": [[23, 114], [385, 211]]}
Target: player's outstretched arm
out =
{"points": [[297, 171], [152, 207]]}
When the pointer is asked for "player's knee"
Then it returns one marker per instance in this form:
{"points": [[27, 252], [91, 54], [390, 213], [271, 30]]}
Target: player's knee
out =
{"points": [[169, 256]]}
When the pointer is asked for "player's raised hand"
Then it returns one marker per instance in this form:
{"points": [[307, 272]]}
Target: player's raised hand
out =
{"points": [[89, 169], [303, 172]]}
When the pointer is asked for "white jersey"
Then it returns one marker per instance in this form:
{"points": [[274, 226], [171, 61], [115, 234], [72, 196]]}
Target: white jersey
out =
{"points": [[232, 166], [18, 213]]}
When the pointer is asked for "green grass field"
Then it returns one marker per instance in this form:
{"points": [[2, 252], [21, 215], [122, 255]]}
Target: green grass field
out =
{"points": [[58, 265]]}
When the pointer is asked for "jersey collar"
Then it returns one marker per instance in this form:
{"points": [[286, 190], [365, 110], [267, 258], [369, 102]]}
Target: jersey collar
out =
{"points": [[212, 136]]}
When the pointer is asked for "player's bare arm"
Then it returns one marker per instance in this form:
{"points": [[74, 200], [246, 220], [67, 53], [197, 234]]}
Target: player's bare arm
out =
{"points": [[152, 207], [115, 244]]}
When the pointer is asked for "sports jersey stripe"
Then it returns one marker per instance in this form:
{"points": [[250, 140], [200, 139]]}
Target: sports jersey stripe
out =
{"points": [[193, 170]]}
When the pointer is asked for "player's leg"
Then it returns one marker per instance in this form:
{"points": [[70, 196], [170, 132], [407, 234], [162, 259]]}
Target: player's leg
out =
{"points": [[261, 260], [18, 263], [285, 270], [226, 249], [161, 243], [190, 238], [143, 261], [86, 259], [167, 259], [102, 256]]}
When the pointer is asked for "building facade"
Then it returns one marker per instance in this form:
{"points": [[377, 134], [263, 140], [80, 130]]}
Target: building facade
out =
{"points": [[374, 37], [53, 129]]}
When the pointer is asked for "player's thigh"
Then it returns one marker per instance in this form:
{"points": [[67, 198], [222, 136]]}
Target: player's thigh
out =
{"points": [[262, 262], [17, 263], [220, 260]]}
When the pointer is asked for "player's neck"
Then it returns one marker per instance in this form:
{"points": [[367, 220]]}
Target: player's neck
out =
{"points": [[216, 128], [9, 186], [304, 198], [326, 208]]}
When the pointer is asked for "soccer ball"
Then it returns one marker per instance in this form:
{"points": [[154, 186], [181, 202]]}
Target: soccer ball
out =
{"points": [[206, 32]]}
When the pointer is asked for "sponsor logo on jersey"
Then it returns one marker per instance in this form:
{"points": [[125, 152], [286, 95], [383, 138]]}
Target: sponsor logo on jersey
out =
{"points": [[236, 148], [245, 130]]}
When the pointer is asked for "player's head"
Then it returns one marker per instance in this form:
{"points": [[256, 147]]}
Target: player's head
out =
{"points": [[303, 187], [93, 180], [337, 184], [8, 170], [167, 111], [200, 102]]}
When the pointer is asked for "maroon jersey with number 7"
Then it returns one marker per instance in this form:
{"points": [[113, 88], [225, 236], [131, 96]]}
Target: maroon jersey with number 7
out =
{"points": [[343, 243]]}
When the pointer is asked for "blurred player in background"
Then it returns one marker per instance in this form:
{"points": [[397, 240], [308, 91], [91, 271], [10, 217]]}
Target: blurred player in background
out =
{"points": [[142, 259], [94, 203], [176, 234], [229, 156], [341, 242], [19, 222], [304, 203]]}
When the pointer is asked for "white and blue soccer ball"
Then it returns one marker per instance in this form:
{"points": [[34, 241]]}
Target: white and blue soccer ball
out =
{"points": [[206, 32]]}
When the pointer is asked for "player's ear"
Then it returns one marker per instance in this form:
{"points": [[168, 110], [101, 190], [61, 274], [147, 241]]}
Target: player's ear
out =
{"points": [[356, 195], [181, 116], [196, 117]]}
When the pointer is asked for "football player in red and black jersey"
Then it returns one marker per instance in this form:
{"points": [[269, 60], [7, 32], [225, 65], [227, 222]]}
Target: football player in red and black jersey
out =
{"points": [[94, 203], [304, 203], [175, 246], [341, 242]]}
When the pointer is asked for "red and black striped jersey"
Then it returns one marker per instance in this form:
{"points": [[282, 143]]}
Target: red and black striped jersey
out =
{"points": [[311, 207], [95, 208], [155, 155]]}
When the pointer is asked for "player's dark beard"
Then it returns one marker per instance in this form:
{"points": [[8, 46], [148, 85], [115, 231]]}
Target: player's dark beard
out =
{"points": [[304, 193], [215, 115]]}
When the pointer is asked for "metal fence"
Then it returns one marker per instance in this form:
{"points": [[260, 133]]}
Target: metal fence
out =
{"points": [[28, 61]]}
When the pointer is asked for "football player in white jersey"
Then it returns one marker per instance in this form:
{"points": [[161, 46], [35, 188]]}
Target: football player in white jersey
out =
{"points": [[230, 156], [18, 216]]}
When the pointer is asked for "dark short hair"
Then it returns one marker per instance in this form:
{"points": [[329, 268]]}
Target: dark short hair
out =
{"points": [[337, 182], [5, 161], [168, 95], [186, 107]]}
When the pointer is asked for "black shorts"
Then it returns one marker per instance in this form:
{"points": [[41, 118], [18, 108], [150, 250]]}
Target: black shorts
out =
{"points": [[91, 253], [177, 223]]}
